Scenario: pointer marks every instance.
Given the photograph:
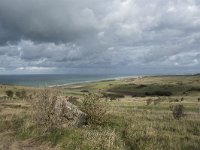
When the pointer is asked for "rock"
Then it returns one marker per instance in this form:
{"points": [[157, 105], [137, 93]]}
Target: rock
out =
{"points": [[70, 114]]}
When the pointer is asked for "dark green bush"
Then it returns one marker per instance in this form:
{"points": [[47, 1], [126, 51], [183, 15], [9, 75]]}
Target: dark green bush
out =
{"points": [[194, 89], [112, 96], [158, 93], [141, 86], [9, 93], [84, 91]]}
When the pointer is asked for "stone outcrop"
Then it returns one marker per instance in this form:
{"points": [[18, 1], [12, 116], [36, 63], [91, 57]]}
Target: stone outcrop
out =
{"points": [[70, 114]]}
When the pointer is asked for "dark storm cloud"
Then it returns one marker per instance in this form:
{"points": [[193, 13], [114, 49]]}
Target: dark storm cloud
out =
{"points": [[49, 34], [46, 20]]}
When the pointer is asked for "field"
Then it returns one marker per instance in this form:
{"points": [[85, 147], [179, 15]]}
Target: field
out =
{"points": [[139, 116]]}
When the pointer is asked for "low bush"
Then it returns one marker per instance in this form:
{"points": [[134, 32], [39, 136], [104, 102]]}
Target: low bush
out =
{"points": [[141, 86], [21, 94], [50, 110], [177, 111], [84, 91], [95, 108], [194, 89], [9, 93], [18, 94], [44, 110]]}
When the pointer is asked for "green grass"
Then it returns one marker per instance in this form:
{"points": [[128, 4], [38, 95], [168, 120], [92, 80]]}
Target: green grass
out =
{"points": [[130, 124], [153, 89]]}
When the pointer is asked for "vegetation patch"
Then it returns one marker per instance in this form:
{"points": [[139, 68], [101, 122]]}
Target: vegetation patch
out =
{"points": [[177, 111], [130, 123], [112, 96], [158, 93], [95, 108]]}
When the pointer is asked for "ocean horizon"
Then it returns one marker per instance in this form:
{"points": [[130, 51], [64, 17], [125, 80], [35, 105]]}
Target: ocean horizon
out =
{"points": [[41, 80]]}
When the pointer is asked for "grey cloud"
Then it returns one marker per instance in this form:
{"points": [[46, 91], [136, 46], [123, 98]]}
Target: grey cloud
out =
{"points": [[100, 34], [46, 20]]}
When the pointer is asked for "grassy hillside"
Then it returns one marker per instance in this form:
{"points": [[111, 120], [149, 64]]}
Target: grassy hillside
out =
{"points": [[141, 119]]}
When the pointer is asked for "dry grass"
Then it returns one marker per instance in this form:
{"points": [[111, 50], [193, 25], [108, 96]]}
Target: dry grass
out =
{"points": [[105, 139], [126, 128], [130, 123]]}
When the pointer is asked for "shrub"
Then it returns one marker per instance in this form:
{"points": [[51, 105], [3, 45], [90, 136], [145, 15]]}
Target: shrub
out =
{"points": [[84, 91], [18, 94], [95, 109], [141, 86], [21, 94], [44, 110], [177, 111], [176, 100], [194, 89], [9, 93]]}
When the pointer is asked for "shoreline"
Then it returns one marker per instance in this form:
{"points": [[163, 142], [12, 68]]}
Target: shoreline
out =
{"points": [[100, 80], [92, 81]]}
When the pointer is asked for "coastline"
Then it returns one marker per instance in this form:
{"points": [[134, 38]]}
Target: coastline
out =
{"points": [[50, 80], [93, 81]]}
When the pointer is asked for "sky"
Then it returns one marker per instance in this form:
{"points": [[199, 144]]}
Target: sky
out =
{"points": [[100, 36]]}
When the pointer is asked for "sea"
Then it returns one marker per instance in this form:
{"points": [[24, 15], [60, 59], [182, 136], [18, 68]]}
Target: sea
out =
{"points": [[44, 80]]}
